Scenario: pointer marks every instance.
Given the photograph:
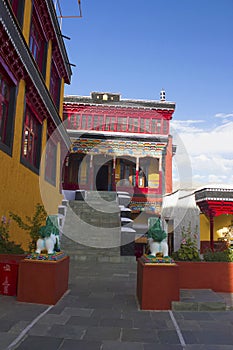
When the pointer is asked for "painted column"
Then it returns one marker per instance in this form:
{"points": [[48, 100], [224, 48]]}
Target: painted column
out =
{"points": [[211, 231], [114, 173], [137, 171], [91, 176]]}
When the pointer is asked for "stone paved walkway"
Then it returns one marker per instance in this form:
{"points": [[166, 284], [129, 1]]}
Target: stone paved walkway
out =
{"points": [[100, 311]]}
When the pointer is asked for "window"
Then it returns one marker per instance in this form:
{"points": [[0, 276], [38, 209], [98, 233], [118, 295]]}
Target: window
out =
{"points": [[31, 145], [7, 112], [73, 121], [155, 126], [107, 123], [142, 122], [18, 9], [101, 122], [83, 123], [96, 123], [4, 107], [37, 42], [158, 126], [147, 126], [89, 122], [51, 161], [133, 124], [55, 83], [165, 126], [121, 124], [78, 120], [113, 123]]}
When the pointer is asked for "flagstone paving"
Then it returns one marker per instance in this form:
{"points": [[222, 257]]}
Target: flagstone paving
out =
{"points": [[100, 312]]}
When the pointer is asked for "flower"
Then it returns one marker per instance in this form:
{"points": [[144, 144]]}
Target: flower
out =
{"points": [[4, 221]]}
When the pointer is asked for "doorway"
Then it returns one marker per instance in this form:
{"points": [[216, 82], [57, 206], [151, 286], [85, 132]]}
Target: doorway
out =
{"points": [[102, 178]]}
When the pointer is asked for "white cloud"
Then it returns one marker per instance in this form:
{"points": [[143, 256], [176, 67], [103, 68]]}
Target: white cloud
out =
{"points": [[224, 115], [187, 125], [216, 141], [209, 154]]}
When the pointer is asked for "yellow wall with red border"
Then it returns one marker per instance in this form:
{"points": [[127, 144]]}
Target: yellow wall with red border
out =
{"points": [[219, 222], [21, 188]]}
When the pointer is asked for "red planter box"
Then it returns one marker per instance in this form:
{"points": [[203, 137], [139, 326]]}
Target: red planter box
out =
{"points": [[157, 285], [42, 282], [9, 265], [217, 276]]}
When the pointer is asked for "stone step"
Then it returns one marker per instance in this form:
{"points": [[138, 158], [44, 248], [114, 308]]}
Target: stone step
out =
{"points": [[79, 252], [110, 196], [199, 300], [91, 229], [97, 214]]}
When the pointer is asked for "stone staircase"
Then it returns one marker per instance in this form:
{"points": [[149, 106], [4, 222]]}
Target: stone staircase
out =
{"points": [[92, 227]]}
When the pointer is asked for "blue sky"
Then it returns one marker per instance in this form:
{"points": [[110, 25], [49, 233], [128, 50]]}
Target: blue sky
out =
{"points": [[184, 46]]}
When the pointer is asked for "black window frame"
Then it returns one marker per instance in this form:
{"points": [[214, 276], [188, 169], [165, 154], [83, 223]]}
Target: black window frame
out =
{"points": [[7, 145]]}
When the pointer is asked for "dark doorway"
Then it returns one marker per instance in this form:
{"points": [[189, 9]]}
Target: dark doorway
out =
{"points": [[102, 179], [170, 237]]}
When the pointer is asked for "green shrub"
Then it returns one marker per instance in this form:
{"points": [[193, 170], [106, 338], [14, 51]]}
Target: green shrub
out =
{"points": [[188, 250], [7, 246], [224, 256], [33, 226]]}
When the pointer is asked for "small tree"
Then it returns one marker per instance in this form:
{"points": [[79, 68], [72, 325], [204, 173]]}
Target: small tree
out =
{"points": [[34, 224], [7, 246]]}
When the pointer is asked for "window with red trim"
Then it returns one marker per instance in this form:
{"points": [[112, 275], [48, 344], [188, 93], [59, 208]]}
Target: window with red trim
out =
{"points": [[18, 9], [55, 82], [133, 125], [31, 145], [37, 42], [14, 4], [7, 110], [51, 161], [165, 126], [4, 107], [122, 124], [155, 126]]}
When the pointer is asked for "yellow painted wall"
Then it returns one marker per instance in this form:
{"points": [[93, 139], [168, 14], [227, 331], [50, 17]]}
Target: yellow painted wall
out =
{"points": [[22, 189], [153, 173], [117, 170], [219, 222], [204, 228]]}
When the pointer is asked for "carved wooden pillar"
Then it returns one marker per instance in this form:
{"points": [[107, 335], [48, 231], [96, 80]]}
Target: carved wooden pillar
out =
{"points": [[114, 173], [137, 170], [91, 178], [211, 218]]}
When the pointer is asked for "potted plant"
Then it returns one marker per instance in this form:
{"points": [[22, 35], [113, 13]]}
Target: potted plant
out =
{"points": [[214, 271]]}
